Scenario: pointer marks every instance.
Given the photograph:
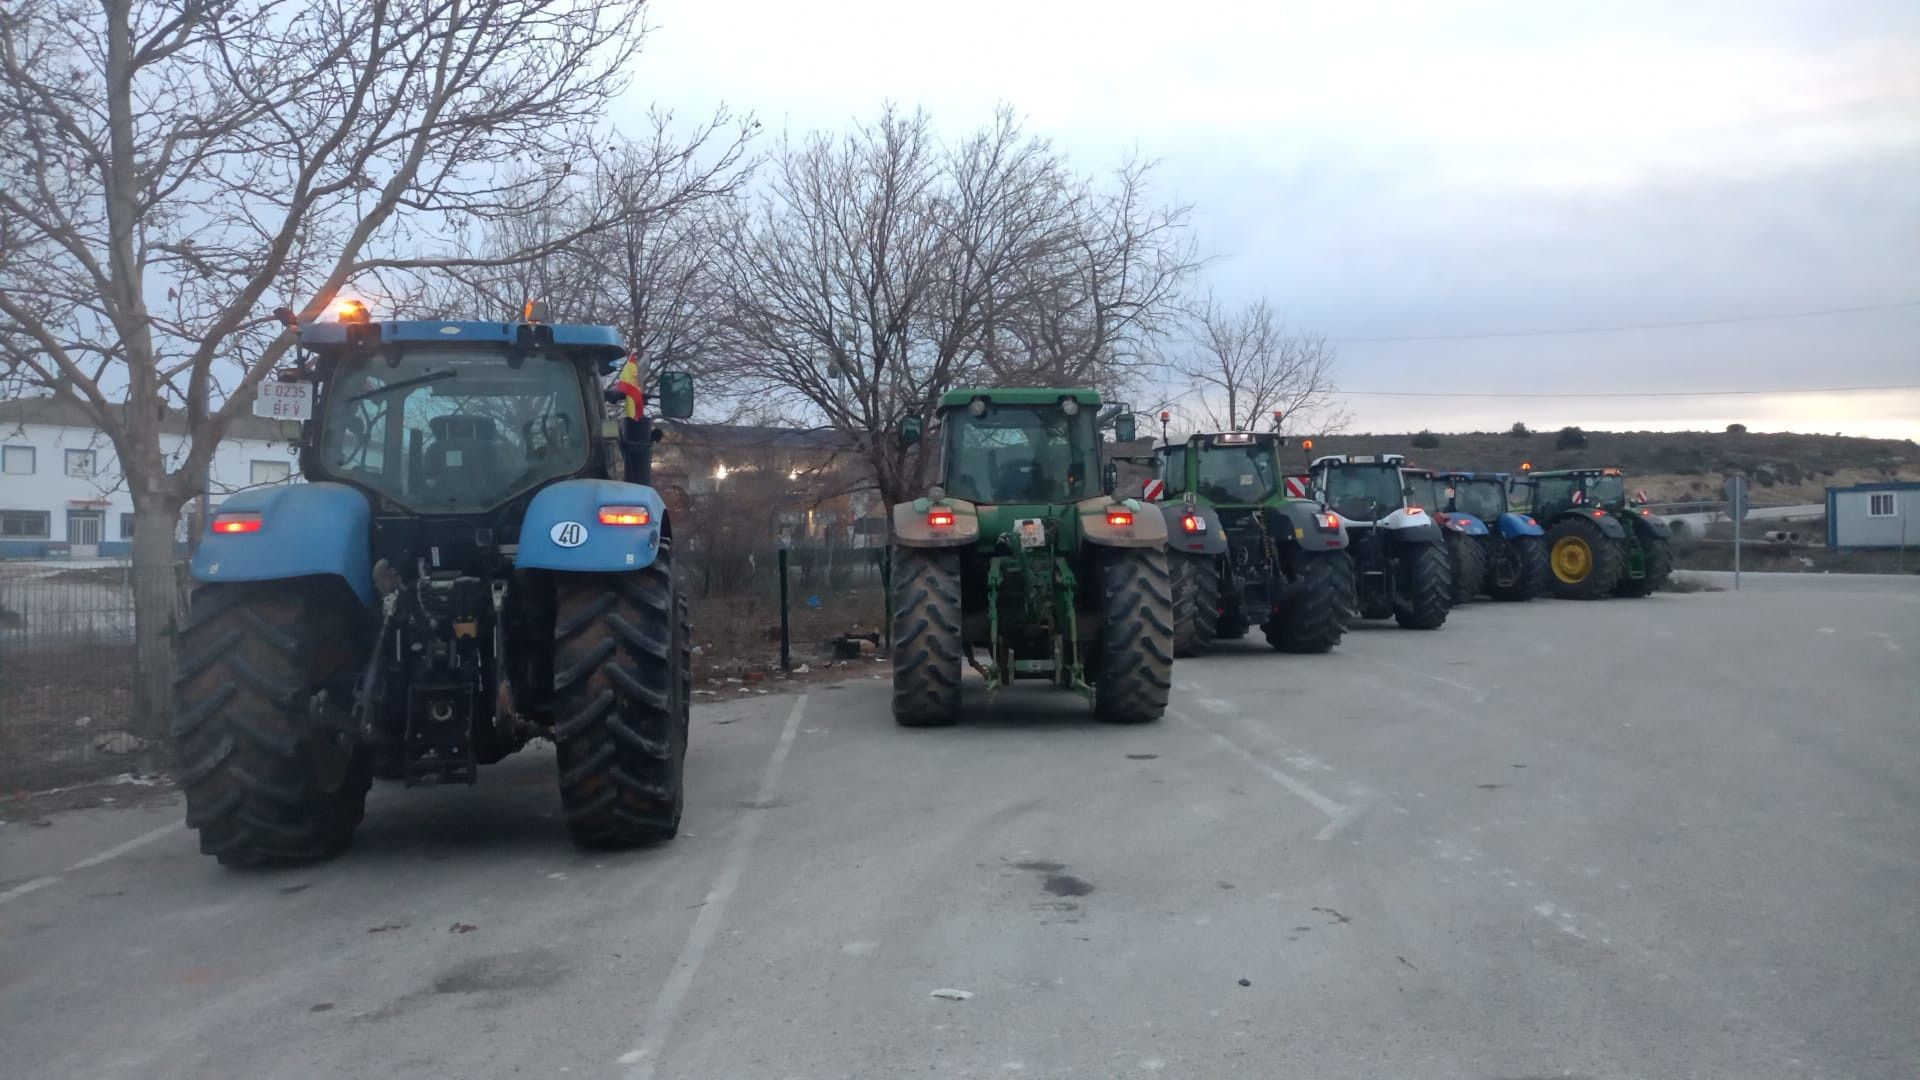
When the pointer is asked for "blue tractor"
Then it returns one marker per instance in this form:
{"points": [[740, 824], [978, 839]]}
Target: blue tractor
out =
{"points": [[461, 573], [1513, 547], [1463, 531]]}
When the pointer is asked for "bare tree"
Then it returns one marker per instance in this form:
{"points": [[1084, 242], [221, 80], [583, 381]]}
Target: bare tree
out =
{"points": [[1247, 367], [171, 169]]}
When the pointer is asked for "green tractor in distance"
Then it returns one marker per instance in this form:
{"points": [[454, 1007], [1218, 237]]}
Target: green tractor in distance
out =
{"points": [[1244, 552], [1023, 562], [1599, 542]]}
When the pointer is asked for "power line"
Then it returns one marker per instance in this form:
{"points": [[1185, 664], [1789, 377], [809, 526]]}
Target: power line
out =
{"points": [[1629, 326], [1632, 393]]}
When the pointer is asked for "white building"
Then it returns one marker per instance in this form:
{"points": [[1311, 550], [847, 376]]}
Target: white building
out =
{"points": [[61, 491]]}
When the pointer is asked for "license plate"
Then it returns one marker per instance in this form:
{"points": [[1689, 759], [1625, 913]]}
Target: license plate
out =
{"points": [[1033, 532]]}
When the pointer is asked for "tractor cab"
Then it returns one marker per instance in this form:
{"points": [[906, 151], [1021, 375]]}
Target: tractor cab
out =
{"points": [[1593, 489], [1484, 495], [1020, 446], [1364, 489], [1227, 468]]}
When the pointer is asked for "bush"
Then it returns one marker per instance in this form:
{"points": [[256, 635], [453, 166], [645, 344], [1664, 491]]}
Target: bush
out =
{"points": [[1736, 429], [1790, 473], [1570, 438], [1763, 476], [1426, 440], [1519, 431]]}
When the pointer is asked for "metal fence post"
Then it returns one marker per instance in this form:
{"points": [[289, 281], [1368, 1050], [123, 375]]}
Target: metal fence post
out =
{"points": [[786, 644]]}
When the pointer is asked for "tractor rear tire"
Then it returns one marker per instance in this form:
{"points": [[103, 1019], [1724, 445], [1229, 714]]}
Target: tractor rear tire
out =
{"points": [[1530, 575], [1318, 618], [1196, 602], [1657, 561], [927, 650], [1429, 588], [621, 684], [1469, 564], [1583, 563], [1136, 636], [267, 779]]}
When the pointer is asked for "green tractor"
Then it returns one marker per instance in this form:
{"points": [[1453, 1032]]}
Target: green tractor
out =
{"points": [[1245, 552], [1022, 562], [1599, 542]]}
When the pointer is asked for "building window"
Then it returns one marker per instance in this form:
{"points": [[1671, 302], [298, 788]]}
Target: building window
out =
{"points": [[271, 472], [1882, 504], [79, 463], [16, 460], [126, 526], [25, 524]]}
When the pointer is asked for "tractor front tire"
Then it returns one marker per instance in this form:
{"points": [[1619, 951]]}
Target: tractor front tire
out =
{"points": [[1657, 562], [1196, 602], [1583, 563], [1318, 617], [1429, 589], [267, 778], [1469, 564], [621, 684], [927, 649], [1136, 638]]}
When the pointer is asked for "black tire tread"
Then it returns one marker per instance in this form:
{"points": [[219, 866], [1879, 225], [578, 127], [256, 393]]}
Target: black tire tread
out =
{"points": [[1136, 639], [621, 671], [1196, 602], [1430, 587], [1469, 566], [927, 646], [1318, 619], [252, 658], [1607, 564]]}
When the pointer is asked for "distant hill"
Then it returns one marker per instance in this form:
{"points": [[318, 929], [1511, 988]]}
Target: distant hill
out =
{"points": [[1670, 465]]}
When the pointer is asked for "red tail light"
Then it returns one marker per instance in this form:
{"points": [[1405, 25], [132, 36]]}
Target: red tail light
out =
{"points": [[1599, 513], [236, 523], [625, 515], [940, 519], [1191, 523], [1120, 518]]}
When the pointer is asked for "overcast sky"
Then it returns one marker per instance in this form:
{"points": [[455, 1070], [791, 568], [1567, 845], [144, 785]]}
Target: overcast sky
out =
{"points": [[1395, 169]]}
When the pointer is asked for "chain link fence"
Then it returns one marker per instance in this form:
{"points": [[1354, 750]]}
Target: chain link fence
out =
{"points": [[833, 592], [66, 672]]}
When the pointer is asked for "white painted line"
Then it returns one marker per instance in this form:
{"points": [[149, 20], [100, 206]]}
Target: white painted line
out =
{"points": [[645, 1056], [1333, 808], [89, 862], [121, 849], [1479, 694], [26, 887]]}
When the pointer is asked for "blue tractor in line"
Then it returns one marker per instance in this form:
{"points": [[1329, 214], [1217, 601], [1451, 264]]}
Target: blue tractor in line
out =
{"points": [[461, 573], [1463, 531], [1513, 546]]}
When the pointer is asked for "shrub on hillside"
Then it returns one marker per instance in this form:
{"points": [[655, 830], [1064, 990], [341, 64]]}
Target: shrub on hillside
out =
{"points": [[1570, 438], [1519, 430], [1426, 440], [1736, 429]]}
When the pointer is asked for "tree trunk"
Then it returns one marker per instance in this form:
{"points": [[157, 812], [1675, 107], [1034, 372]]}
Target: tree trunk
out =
{"points": [[156, 614]]}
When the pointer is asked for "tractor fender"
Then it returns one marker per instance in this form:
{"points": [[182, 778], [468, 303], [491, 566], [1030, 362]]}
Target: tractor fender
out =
{"points": [[1149, 529], [1469, 525], [306, 530], [912, 529], [1210, 540], [1608, 525], [1654, 526], [1303, 516], [1409, 528], [562, 528], [1514, 526]]}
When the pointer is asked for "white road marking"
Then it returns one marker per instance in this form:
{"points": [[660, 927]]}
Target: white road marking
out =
{"points": [[1333, 808], [114, 852], [1479, 694], [645, 1056]]}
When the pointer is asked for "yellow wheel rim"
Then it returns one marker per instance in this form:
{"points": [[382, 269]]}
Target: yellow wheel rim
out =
{"points": [[1572, 560]]}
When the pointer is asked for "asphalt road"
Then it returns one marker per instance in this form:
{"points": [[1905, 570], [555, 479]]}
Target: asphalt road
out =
{"points": [[1677, 837]]}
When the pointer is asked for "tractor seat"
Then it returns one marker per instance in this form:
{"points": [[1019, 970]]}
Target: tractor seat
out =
{"points": [[465, 456]]}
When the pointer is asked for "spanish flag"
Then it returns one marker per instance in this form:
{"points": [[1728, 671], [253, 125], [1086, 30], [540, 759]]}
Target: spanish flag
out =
{"points": [[629, 385]]}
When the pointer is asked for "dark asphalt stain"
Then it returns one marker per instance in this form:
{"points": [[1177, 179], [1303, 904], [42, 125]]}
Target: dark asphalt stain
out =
{"points": [[1303, 929], [534, 969], [462, 928], [289, 890], [1337, 917], [325, 1006], [1489, 787], [1223, 884], [1406, 961], [1066, 885], [1141, 757], [1041, 867], [1246, 982], [769, 804], [386, 926], [1511, 765]]}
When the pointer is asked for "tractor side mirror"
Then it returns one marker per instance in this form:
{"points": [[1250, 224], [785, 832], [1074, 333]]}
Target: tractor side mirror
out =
{"points": [[676, 395], [909, 432], [1123, 431], [1111, 475]]}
